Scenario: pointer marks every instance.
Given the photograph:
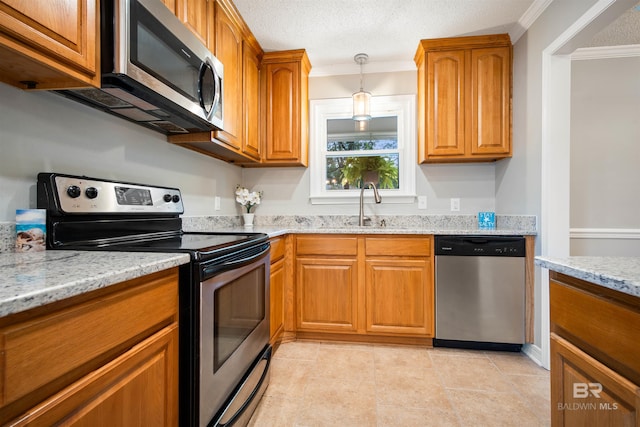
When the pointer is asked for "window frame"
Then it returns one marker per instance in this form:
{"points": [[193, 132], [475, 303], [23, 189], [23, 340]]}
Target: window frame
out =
{"points": [[321, 110]]}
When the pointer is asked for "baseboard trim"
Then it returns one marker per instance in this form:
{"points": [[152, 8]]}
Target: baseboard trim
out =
{"points": [[533, 352]]}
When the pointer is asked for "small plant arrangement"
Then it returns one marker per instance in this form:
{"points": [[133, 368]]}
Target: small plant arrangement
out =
{"points": [[248, 199]]}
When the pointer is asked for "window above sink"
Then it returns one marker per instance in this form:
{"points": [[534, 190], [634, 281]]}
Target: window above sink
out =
{"points": [[347, 154]]}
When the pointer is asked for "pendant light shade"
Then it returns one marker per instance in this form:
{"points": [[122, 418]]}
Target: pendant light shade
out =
{"points": [[361, 99], [361, 106]]}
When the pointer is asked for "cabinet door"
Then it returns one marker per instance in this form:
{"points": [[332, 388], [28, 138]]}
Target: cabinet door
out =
{"points": [[228, 42], [399, 296], [327, 294], [282, 127], [276, 315], [490, 101], [584, 392], [138, 388], [171, 5], [51, 43], [446, 86], [194, 15], [251, 101]]}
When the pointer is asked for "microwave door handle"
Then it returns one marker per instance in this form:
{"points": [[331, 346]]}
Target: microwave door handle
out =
{"points": [[207, 67], [218, 90], [204, 68]]}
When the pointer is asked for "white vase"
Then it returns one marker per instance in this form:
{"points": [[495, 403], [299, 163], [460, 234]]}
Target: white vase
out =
{"points": [[248, 220]]}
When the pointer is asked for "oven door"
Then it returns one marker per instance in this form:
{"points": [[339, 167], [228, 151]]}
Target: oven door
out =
{"points": [[234, 331]]}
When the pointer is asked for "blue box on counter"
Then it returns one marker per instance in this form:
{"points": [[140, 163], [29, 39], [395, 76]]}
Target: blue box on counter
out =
{"points": [[486, 220], [31, 230]]}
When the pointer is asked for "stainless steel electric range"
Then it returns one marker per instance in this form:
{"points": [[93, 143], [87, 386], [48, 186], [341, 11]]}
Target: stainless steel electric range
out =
{"points": [[224, 290]]}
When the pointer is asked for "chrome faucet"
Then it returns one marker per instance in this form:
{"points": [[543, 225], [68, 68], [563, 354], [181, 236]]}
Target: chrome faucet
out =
{"points": [[362, 219]]}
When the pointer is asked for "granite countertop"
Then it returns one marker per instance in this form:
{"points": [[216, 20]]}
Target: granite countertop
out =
{"points": [[33, 279], [618, 273], [277, 225], [274, 231]]}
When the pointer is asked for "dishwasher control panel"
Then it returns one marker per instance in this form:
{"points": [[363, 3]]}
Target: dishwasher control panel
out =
{"points": [[508, 246]]}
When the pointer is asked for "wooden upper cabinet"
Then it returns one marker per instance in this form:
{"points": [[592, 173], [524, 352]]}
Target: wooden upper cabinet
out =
{"points": [[194, 14], [251, 100], [49, 44], [171, 4], [446, 103], [464, 99], [228, 49], [285, 100]]}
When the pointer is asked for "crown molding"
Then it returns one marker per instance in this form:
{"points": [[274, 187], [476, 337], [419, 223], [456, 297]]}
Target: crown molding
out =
{"points": [[606, 52], [528, 18], [370, 68]]}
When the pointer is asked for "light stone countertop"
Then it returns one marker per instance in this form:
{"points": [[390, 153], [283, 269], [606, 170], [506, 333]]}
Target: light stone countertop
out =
{"points": [[277, 225], [618, 273], [274, 231], [32, 279], [29, 280]]}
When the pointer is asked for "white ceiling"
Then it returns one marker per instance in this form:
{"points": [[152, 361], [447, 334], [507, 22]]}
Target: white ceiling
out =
{"points": [[333, 31], [623, 31]]}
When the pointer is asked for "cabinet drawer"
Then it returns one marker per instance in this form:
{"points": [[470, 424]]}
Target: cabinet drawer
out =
{"points": [[326, 245], [117, 394], [277, 248], [51, 351], [606, 329], [398, 246]]}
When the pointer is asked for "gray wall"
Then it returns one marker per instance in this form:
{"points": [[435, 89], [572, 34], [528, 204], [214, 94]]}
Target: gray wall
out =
{"points": [[288, 188], [519, 179], [605, 154], [44, 132]]}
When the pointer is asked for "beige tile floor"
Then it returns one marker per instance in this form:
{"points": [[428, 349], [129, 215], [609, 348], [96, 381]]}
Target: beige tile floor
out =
{"points": [[329, 384]]}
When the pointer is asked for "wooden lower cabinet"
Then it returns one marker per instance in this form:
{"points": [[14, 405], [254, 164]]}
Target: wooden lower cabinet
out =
{"points": [[138, 388], [586, 392], [277, 284], [108, 357], [399, 296], [327, 294], [365, 288], [595, 354]]}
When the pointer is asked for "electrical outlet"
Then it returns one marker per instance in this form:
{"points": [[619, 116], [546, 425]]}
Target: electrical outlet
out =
{"points": [[216, 203], [455, 205], [422, 202]]}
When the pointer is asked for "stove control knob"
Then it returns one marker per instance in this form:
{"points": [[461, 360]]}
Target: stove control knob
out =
{"points": [[73, 191], [91, 192], [167, 198], [175, 198]]}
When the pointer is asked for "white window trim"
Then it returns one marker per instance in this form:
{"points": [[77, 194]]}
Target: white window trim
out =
{"points": [[321, 110]]}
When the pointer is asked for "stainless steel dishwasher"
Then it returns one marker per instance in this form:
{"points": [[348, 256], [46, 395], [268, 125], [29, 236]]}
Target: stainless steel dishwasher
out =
{"points": [[480, 288]]}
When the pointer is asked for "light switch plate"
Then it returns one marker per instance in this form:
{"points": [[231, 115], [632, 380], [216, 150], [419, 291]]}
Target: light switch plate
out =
{"points": [[455, 205], [216, 203], [422, 202]]}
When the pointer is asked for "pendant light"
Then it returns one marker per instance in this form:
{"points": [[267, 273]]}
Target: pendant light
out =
{"points": [[361, 99]]}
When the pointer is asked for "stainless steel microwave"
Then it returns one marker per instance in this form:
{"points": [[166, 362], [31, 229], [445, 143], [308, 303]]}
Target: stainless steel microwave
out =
{"points": [[155, 72]]}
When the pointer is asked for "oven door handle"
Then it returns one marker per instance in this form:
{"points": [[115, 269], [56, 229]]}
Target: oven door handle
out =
{"points": [[208, 270]]}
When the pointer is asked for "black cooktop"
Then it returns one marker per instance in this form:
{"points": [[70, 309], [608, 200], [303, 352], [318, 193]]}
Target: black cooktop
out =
{"points": [[201, 246]]}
